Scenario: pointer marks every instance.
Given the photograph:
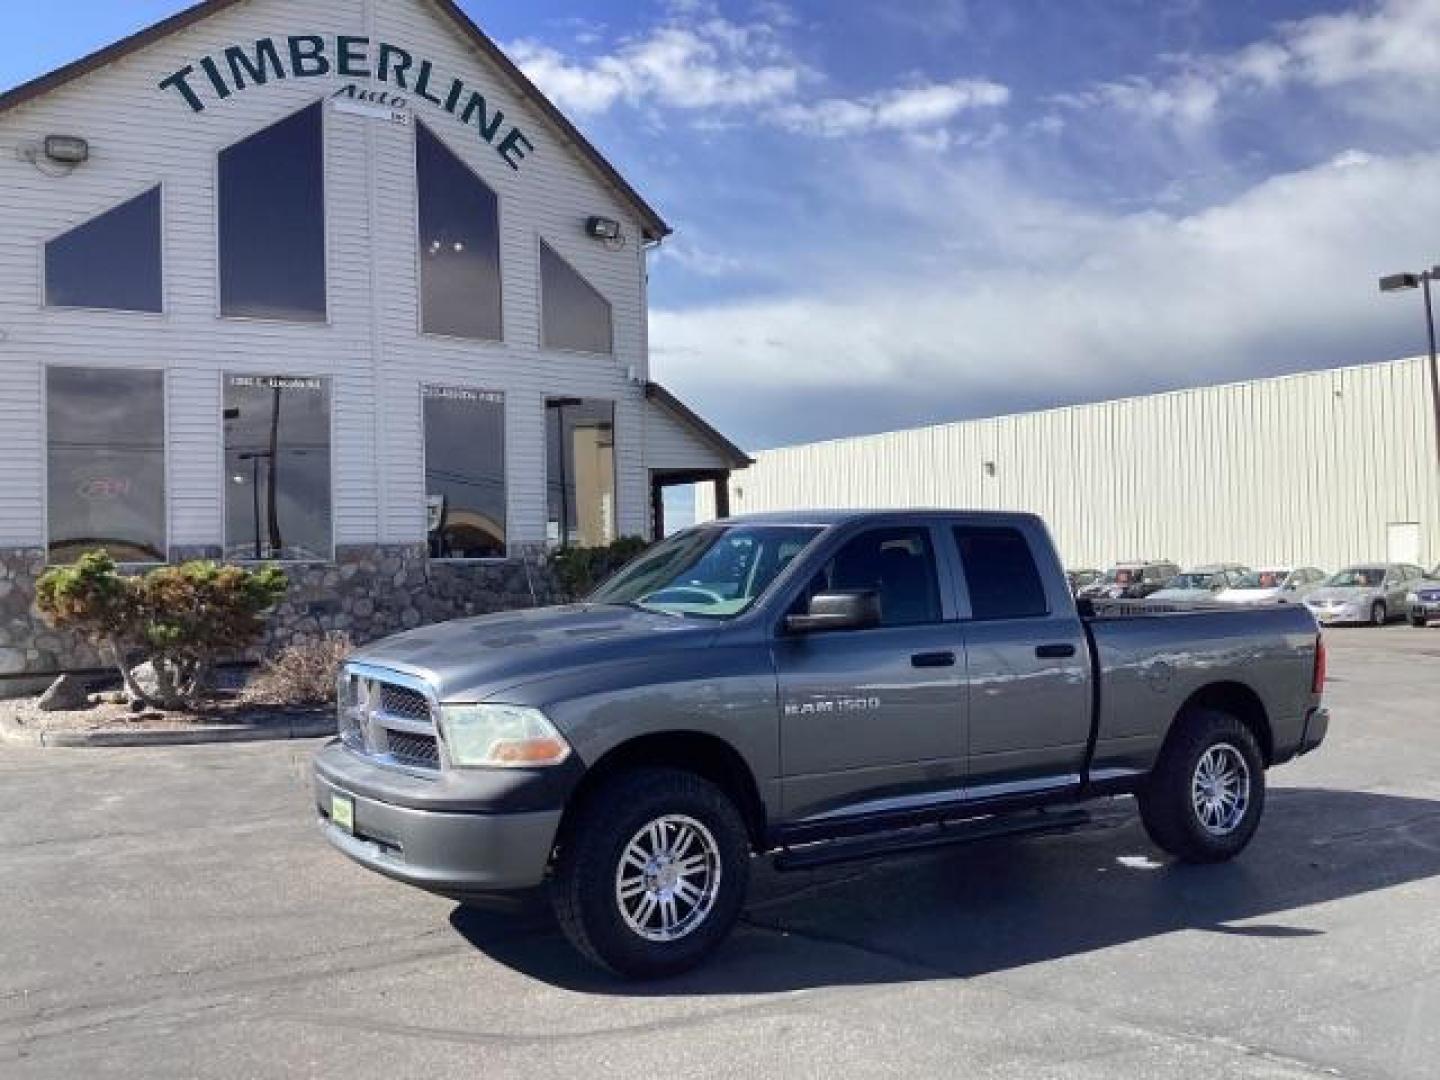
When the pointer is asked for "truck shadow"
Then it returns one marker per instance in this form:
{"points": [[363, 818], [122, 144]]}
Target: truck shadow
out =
{"points": [[999, 905]]}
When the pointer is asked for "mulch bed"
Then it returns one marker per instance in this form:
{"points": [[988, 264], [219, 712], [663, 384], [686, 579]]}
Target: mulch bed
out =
{"points": [[111, 717]]}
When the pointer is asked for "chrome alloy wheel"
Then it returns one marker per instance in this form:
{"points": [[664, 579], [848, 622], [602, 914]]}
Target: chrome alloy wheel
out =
{"points": [[668, 878], [1220, 789]]}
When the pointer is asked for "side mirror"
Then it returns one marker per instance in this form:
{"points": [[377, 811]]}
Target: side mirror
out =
{"points": [[859, 610]]}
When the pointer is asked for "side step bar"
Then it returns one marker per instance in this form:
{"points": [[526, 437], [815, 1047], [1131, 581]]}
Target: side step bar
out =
{"points": [[922, 837]]}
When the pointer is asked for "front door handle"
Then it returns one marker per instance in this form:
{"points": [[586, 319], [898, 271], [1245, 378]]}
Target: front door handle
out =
{"points": [[1054, 652], [933, 659]]}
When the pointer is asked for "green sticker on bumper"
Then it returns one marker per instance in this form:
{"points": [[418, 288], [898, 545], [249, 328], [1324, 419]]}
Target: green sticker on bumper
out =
{"points": [[342, 812]]}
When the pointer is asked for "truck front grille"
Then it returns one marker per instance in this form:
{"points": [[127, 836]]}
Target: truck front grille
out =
{"points": [[389, 719]]}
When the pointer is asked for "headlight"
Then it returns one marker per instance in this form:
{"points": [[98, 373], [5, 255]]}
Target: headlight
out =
{"points": [[501, 737]]}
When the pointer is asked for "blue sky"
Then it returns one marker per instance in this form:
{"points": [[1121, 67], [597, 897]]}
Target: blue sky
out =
{"points": [[891, 212]]}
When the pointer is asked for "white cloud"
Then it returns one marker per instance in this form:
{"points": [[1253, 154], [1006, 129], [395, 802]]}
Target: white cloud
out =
{"points": [[1391, 40], [691, 62], [920, 107], [1281, 277]]}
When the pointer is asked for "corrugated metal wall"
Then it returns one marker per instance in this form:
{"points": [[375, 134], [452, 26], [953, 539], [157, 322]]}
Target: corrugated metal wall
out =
{"points": [[1310, 469]]}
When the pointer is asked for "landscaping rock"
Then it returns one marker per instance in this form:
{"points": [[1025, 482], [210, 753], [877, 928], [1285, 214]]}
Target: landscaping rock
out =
{"points": [[146, 679], [68, 693]]}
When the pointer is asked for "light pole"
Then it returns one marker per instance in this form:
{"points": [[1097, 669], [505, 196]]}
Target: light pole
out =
{"points": [[1403, 283]]}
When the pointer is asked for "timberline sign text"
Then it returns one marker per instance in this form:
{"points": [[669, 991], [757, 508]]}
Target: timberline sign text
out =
{"points": [[313, 56]]}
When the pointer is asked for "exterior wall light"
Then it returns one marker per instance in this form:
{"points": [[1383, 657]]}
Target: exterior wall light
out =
{"points": [[603, 228], [67, 149], [989, 468]]}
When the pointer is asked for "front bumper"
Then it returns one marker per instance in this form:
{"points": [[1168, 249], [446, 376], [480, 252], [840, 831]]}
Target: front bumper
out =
{"points": [[459, 854], [1317, 726], [1425, 609], [1350, 613]]}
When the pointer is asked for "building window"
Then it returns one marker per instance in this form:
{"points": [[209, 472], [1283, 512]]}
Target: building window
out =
{"points": [[575, 316], [459, 235], [465, 473], [272, 222], [106, 463], [111, 262], [580, 471], [277, 468]]}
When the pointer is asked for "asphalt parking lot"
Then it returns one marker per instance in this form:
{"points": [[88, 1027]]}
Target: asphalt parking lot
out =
{"points": [[174, 913]]}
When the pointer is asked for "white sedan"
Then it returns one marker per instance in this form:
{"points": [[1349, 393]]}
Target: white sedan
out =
{"points": [[1277, 585]]}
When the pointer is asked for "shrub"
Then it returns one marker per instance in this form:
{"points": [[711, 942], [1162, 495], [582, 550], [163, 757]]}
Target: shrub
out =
{"points": [[182, 619], [302, 674], [579, 571]]}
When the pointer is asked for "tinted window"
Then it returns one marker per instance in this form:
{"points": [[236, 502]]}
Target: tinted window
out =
{"points": [[459, 244], [277, 468], [898, 564], [272, 222], [1000, 574], [112, 261], [465, 473], [580, 471], [106, 455], [576, 316]]}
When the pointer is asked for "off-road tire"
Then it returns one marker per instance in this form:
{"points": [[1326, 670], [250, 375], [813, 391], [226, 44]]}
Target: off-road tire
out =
{"points": [[1167, 805], [1419, 624], [583, 883]]}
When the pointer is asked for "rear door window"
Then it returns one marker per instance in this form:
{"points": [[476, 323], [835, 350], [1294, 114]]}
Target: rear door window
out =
{"points": [[1000, 573]]}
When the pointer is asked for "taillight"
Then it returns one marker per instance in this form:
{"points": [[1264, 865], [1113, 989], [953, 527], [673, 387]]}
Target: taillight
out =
{"points": [[1318, 686]]}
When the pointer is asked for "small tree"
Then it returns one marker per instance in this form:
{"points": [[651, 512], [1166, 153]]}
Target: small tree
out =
{"points": [[182, 619]]}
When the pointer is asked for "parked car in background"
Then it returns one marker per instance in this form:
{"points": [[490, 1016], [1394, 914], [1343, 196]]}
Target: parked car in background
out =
{"points": [[1275, 585], [1201, 583], [1424, 598], [1371, 593], [1131, 580], [1080, 580]]}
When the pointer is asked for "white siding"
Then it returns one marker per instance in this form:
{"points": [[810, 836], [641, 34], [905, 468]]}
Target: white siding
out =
{"points": [[1307, 469], [670, 444], [371, 347]]}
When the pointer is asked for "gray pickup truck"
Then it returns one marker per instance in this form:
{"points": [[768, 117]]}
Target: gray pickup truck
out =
{"points": [[812, 687]]}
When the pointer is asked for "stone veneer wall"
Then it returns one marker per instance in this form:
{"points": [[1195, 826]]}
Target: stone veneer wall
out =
{"points": [[367, 593]]}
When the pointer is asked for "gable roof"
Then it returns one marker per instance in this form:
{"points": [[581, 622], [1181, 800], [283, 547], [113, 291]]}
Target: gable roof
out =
{"points": [[655, 227], [692, 421]]}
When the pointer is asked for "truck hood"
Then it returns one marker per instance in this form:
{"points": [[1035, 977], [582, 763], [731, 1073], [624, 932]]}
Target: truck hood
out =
{"points": [[1247, 596], [473, 659], [1182, 594]]}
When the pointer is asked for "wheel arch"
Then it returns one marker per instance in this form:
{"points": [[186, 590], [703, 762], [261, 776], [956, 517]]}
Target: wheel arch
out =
{"points": [[1237, 700], [705, 755]]}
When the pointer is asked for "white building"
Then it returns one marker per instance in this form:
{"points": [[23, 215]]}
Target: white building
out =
{"points": [[1320, 469], [332, 284]]}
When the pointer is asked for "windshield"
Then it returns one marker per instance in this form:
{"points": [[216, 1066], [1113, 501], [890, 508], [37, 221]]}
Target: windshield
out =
{"points": [[1359, 577], [1194, 581], [710, 571], [1263, 579], [1122, 577]]}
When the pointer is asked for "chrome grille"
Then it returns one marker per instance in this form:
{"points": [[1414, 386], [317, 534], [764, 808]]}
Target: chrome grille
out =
{"points": [[387, 717], [418, 751]]}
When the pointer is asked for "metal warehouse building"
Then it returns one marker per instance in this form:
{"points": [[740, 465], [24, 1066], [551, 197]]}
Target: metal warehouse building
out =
{"points": [[1322, 469], [331, 284]]}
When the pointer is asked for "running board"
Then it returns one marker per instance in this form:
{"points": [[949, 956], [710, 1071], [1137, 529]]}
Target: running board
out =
{"points": [[922, 837]]}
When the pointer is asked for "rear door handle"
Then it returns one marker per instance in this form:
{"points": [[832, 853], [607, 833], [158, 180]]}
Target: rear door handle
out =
{"points": [[1054, 652], [933, 659]]}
